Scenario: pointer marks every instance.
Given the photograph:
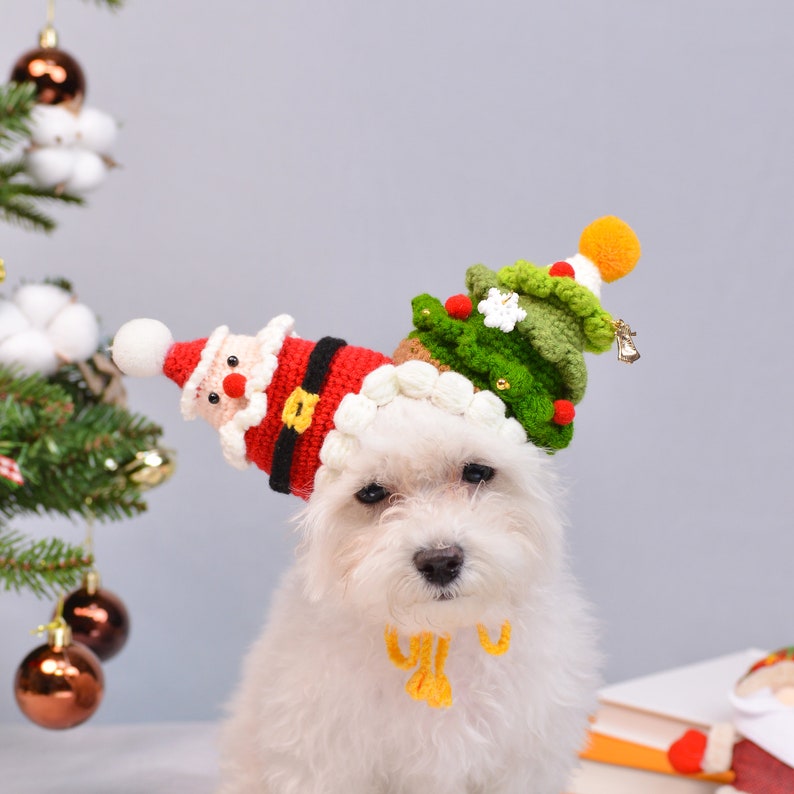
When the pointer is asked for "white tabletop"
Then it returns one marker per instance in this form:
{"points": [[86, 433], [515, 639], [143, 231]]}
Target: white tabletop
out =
{"points": [[162, 758]]}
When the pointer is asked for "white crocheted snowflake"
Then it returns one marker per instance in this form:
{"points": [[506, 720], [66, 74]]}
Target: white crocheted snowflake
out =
{"points": [[501, 310]]}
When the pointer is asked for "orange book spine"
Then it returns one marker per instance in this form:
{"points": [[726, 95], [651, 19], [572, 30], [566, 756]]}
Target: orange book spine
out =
{"points": [[608, 750]]}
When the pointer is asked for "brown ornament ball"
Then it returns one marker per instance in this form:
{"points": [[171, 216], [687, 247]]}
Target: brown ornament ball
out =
{"points": [[59, 687], [98, 619], [58, 76]]}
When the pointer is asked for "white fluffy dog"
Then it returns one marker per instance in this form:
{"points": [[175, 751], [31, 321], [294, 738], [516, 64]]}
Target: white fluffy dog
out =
{"points": [[430, 637], [432, 527]]}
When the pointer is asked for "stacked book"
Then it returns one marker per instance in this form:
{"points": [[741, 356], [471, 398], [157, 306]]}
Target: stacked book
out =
{"points": [[638, 720]]}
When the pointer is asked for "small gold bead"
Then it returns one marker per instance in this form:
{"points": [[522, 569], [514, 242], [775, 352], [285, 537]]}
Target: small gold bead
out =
{"points": [[425, 311], [502, 384]]}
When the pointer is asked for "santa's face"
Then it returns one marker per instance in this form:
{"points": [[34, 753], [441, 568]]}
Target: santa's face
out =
{"points": [[222, 392]]}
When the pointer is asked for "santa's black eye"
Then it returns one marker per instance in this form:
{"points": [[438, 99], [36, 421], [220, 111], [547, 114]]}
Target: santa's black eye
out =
{"points": [[232, 361], [477, 473], [213, 398], [372, 493]]}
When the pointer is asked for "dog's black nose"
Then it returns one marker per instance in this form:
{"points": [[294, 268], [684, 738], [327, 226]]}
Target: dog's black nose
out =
{"points": [[439, 566]]}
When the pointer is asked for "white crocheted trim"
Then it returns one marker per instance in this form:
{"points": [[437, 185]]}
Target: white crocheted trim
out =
{"points": [[719, 748], [214, 342], [587, 274], [450, 391], [232, 435]]}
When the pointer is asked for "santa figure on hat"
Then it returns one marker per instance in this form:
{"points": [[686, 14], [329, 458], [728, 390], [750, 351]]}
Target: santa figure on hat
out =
{"points": [[759, 746], [271, 397]]}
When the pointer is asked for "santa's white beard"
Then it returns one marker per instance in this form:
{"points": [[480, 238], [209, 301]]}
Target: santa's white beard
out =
{"points": [[765, 721]]}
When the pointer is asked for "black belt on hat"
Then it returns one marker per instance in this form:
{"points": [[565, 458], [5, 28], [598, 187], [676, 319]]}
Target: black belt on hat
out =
{"points": [[298, 410]]}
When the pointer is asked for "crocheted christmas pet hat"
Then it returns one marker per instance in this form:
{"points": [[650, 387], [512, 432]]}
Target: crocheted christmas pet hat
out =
{"points": [[508, 355]]}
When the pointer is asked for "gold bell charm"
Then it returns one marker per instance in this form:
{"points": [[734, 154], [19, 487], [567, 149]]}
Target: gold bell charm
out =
{"points": [[627, 351]]}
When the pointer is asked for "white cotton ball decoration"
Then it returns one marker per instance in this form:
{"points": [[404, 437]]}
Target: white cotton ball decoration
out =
{"points": [[50, 166], [140, 347], [32, 350], [12, 320], [96, 130], [53, 125], [89, 172], [74, 333], [40, 303]]}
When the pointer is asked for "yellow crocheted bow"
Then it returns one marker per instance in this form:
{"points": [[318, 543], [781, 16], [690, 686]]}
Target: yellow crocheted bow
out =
{"points": [[428, 684]]}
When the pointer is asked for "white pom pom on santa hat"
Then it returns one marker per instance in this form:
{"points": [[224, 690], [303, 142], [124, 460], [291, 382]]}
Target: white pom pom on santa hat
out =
{"points": [[141, 346]]}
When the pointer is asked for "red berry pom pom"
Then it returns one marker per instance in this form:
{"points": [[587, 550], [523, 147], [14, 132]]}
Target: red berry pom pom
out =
{"points": [[686, 754], [564, 412], [234, 385], [458, 306], [562, 269]]}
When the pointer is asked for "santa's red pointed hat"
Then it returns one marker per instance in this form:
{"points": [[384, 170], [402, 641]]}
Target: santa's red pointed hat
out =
{"points": [[281, 410]]}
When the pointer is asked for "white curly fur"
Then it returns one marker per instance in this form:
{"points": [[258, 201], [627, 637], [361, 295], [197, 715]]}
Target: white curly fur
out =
{"points": [[322, 710]]}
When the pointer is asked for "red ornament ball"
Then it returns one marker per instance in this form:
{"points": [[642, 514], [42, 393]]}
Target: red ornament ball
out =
{"points": [[562, 269], [59, 687], [98, 619], [459, 306], [564, 412], [57, 75]]}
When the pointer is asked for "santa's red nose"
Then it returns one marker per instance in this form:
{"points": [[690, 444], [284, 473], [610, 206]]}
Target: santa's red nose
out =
{"points": [[234, 385]]}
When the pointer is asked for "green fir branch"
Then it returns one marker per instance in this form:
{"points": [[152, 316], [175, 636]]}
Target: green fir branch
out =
{"points": [[17, 101], [25, 214], [11, 169], [19, 197], [18, 205], [77, 456], [46, 567], [113, 5], [72, 449], [45, 193]]}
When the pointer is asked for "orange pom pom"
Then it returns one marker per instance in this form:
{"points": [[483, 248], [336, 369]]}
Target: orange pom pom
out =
{"points": [[611, 245]]}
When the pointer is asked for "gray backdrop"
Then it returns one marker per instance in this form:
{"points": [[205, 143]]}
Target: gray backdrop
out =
{"points": [[334, 159]]}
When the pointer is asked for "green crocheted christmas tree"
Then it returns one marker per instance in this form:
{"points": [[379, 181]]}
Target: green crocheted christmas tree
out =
{"points": [[522, 332]]}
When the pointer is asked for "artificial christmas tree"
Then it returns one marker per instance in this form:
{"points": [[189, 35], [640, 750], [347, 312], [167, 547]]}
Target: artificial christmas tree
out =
{"points": [[69, 446]]}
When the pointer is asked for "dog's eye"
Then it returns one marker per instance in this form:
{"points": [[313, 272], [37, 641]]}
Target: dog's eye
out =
{"points": [[213, 397], [372, 493], [232, 361], [477, 473]]}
